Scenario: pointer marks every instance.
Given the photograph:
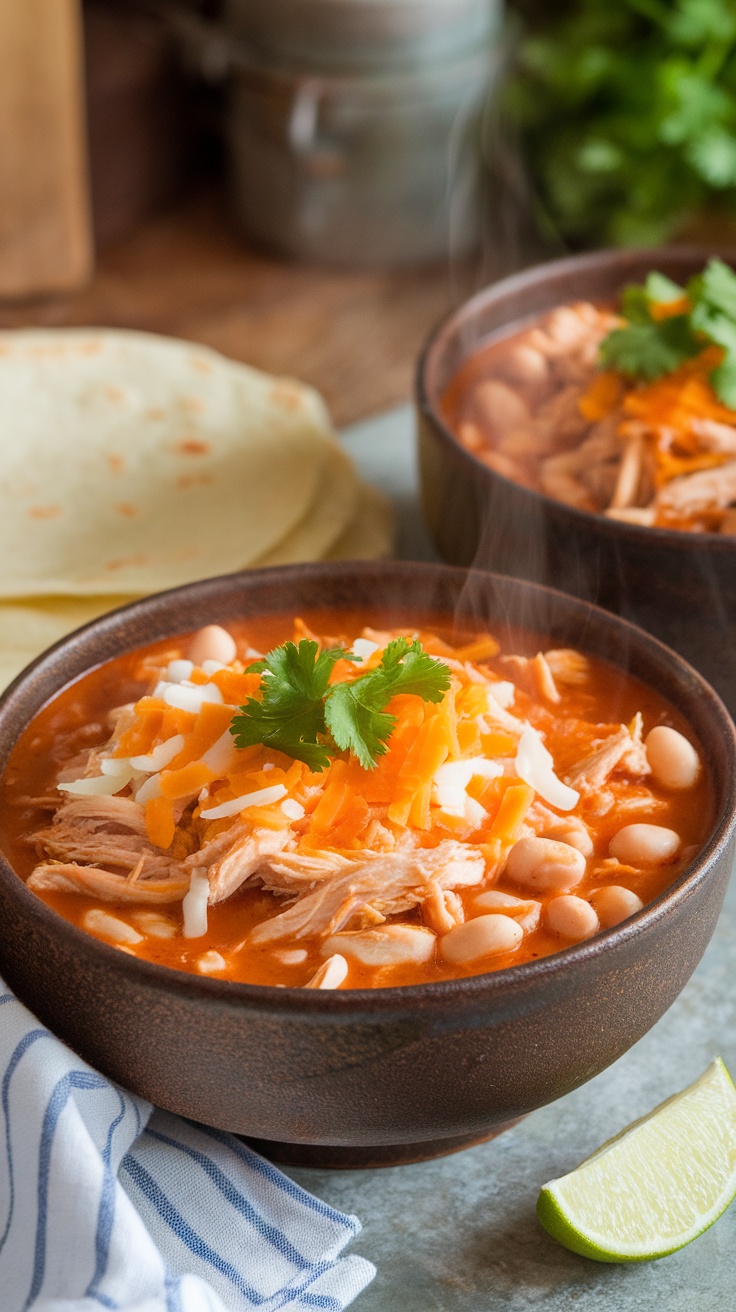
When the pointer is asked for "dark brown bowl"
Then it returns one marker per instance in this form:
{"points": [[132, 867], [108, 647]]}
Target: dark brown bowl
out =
{"points": [[679, 586], [369, 1075]]}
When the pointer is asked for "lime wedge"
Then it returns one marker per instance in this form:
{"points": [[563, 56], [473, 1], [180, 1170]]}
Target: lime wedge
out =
{"points": [[656, 1186]]}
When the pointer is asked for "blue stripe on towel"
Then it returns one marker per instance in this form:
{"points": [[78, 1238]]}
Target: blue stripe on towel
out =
{"points": [[320, 1300], [106, 1212], [172, 1292], [21, 1048], [56, 1104], [183, 1231], [236, 1200], [191, 1221], [283, 1182]]}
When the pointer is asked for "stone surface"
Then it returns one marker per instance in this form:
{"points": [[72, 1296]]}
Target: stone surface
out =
{"points": [[459, 1234]]}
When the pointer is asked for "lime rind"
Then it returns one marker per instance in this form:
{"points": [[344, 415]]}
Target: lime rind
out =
{"points": [[657, 1185]]}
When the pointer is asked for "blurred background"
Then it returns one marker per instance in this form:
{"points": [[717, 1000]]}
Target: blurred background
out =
{"points": [[309, 184]]}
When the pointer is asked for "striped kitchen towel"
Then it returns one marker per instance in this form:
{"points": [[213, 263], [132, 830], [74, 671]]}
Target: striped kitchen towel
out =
{"points": [[106, 1202]]}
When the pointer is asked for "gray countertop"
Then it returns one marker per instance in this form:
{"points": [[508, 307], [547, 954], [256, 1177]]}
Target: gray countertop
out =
{"points": [[459, 1234]]}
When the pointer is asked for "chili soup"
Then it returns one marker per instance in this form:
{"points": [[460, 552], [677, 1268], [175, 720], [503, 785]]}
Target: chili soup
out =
{"points": [[626, 409], [336, 801]]}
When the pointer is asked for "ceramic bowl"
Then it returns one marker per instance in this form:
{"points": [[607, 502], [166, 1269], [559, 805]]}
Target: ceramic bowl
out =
{"points": [[680, 586], [367, 1076]]}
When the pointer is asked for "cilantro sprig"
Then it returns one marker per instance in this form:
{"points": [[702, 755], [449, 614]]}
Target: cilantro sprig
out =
{"points": [[626, 111], [651, 345], [301, 714]]}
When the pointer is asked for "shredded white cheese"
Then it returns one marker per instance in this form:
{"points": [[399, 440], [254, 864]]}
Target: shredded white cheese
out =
{"points": [[160, 756], [261, 797], [184, 697], [219, 756], [534, 764], [116, 765], [148, 790], [103, 785], [364, 648], [210, 963], [194, 905], [293, 809], [452, 779], [178, 671], [503, 692]]}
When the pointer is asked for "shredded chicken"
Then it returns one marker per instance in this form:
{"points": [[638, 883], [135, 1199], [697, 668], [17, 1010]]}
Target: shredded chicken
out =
{"points": [[568, 666], [390, 882], [619, 749], [709, 489], [102, 830], [442, 910], [68, 877], [714, 436], [241, 861]]}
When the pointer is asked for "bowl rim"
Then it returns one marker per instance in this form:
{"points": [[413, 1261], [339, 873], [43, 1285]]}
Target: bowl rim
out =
{"points": [[536, 275], [347, 1005]]}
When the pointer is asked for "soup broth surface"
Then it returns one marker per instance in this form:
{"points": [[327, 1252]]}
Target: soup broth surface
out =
{"points": [[585, 707]]}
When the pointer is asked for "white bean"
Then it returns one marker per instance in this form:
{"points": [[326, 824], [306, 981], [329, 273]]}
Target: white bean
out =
{"points": [[674, 761], [485, 936], [391, 945], [500, 407], [154, 924], [118, 931], [579, 839], [494, 900], [524, 364], [331, 974], [526, 911], [645, 845], [614, 904], [571, 917], [212, 643], [545, 863]]}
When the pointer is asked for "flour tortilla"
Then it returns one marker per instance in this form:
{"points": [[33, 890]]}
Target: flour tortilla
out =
{"points": [[130, 463], [28, 627], [371, 534], [333, 508]]}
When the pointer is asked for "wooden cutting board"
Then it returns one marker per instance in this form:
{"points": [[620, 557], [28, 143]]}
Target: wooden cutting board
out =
{"points": [[45, 240]]}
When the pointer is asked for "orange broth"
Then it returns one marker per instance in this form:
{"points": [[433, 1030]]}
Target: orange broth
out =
{"points": [[528, 423], [76, 719]]}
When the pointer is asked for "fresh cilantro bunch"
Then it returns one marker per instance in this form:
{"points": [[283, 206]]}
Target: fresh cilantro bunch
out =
{"points": [[650, 345], [300, 714], [626, 111]]}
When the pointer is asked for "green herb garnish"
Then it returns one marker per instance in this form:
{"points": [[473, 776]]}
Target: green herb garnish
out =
{"points": [[300, 714], [626, 111], [650, 346]]}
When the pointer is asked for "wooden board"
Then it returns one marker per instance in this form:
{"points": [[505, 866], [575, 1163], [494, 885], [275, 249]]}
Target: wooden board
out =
{"points": [[355, 336], [45, 242]]}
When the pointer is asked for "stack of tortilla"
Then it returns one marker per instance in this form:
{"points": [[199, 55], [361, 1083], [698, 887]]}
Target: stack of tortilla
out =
{"points": [[130, 463]]}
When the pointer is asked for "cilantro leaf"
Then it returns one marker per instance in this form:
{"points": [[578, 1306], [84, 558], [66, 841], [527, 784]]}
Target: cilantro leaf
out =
{"points": [[635, 305], [716, 287], [290, 714], [661, 290], [355, 712], [723, 381], [299, 713], [648, 350], [357, 722], [408, 668]]}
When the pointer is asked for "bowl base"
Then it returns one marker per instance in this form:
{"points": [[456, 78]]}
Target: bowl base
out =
{"points": [[340, 1157]]}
